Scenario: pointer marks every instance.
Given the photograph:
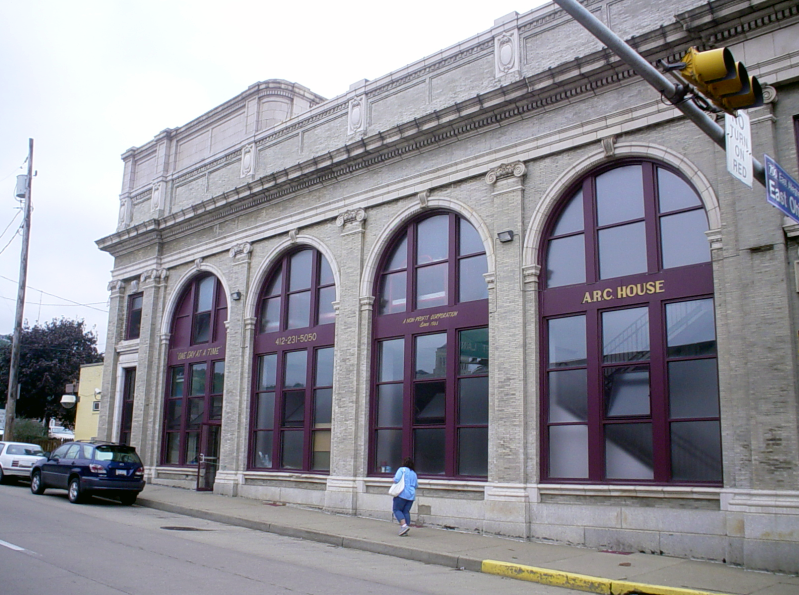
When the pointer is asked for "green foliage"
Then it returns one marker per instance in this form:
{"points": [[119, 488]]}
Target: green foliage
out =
{"points": [[50, 358], [29, 430]]}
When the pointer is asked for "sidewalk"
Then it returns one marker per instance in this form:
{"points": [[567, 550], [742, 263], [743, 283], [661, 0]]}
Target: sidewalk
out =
{"points": [[577, 568]]}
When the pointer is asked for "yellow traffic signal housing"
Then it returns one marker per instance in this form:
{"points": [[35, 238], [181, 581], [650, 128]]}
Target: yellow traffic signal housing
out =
{"points": [[717, 75]]}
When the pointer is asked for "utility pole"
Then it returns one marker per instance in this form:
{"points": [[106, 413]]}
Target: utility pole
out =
{"points": [[13, 374]]}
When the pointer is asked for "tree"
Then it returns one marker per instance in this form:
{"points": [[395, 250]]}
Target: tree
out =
{"points": [[50, 358]]}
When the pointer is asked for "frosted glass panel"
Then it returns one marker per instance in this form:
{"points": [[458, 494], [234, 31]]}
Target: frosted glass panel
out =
{"points": [[628, 451], [568, 451]]}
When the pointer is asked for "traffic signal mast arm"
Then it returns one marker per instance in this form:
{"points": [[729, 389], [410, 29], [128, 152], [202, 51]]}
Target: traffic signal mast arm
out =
{"points": [[674, 93]]}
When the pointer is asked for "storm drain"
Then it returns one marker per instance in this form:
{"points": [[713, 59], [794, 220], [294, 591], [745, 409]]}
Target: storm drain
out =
{"points": [[185, 529]]}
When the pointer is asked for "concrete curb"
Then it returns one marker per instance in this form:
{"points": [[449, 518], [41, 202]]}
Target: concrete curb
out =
{"points": [[581, 582]]}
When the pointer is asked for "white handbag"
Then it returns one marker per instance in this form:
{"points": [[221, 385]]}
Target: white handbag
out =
{"points": [[397, 488]]}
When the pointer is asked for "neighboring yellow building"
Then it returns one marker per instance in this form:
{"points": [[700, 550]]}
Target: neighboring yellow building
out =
{"points": [[88, 408]]}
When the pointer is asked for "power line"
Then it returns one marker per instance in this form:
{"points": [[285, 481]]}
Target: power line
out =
{"points": [[57, 296], [75, 305]]}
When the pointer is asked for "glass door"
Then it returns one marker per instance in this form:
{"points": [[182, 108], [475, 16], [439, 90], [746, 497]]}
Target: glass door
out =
{"points": [[208, 459]]}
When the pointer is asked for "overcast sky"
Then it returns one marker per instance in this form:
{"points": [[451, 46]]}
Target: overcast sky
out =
{"points": [[89, 79]]}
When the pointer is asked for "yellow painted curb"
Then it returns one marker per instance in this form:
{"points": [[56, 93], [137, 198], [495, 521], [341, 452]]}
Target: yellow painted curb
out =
{"points": [[582, 582]]}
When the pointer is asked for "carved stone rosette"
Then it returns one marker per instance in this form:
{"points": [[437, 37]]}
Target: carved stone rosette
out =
{"points": [[506, 170], [356, 115], [352, 220]]}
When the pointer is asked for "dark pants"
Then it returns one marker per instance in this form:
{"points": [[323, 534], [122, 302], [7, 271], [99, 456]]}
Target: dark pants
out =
{"points": [[402, 509]]}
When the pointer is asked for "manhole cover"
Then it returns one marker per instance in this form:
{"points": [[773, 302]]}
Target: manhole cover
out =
{"points": [[184, 529]]}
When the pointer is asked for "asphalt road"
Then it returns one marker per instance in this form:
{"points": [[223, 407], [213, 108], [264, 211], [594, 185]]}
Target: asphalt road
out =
{"points": [[48, 545]]}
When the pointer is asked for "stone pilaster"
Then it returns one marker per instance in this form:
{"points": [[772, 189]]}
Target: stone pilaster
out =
{"points": [[116, 322]]}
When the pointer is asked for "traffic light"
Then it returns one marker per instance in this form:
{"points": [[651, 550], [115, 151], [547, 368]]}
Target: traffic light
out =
{"points": [[721, 79]]}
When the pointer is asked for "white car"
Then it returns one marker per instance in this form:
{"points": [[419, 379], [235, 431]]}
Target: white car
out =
{"points": [[17, 458]]}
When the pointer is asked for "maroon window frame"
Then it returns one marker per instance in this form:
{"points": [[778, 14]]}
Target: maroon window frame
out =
{"points": [[292, 389], [128, 394], [133, 327], [429, 396], [614, 374], [195, 369]]}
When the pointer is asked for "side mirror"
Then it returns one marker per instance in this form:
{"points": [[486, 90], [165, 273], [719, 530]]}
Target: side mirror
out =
{"points": [[46, 454]]}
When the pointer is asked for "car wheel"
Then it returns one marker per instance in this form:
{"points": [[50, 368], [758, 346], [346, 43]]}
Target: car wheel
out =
{"points": [[37, 487], [128, 499], [74, 494]]}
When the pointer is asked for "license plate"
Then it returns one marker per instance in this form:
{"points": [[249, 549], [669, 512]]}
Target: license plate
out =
{"points": [[121, 472]]}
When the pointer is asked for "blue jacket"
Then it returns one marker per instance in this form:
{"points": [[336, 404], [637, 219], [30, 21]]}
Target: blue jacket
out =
{"points": [[411, 481]]}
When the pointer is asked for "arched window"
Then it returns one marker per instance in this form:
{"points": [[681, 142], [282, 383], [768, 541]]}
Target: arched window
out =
{"points": [[629, 377], [430, 364], [195, 373], [293, 376]]}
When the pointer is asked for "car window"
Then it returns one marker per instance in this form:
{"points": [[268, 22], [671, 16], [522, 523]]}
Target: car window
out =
{"points": [[1, 447], [119, 454], [61, 451], [73, 452], [24, 449]]}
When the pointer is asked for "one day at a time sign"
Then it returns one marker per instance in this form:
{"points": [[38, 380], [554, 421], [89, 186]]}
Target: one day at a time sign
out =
{"points": [[782, 191]]}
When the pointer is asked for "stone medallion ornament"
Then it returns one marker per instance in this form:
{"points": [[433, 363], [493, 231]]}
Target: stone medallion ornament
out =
{"points": [[506, 53], [247, 160], [356, 118]]}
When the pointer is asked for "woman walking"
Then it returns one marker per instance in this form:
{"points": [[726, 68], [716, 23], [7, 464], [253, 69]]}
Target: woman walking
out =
{"points": [[403, 502]]}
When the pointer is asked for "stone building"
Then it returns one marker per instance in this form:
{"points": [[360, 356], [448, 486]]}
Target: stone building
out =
{"points": [[511, 260]]}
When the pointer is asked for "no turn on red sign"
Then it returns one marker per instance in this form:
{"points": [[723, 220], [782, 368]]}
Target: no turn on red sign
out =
{"points": [[739, 147]]}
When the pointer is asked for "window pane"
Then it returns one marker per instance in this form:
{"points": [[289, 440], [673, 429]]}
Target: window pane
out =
{"points": [[567, 341], [270, 315], [628, 451], [323, 407], [177, 382], [622, 250], [196, 410], [429, 402], [388, 457], [393, 293], [262, 454], [691, 328], [294, 408], [431, 286], [683, 239], [694, 388], [473, 401], [324, 367], [392, 360], [620, 195], [174, 411], [470, 242], [216, 408], [295, 372], [399, 258], [473, 451], [428, 450], [625, 335], [219, 377], [431, 356], [173, 448], [275, 283], [198, 379], [473, 352], [627, 391], [325, 272], [675, 194], [568, 451], [566, 261], [321, 451], [389, 405], [192, 447], [571, 218], [568, 396], [696, 451], [205, 294], [265, 416], [299, 310], [432, 242], [267, 369], [327, 314], [472, 284], [292, 450], [300, 276], [202, 327]]}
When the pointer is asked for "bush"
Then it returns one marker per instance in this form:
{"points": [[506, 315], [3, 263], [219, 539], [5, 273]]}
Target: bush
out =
{"points": [[29, 430]]}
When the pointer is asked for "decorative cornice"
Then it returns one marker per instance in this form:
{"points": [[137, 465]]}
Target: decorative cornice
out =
{"points": [[232, 156], [506, 170]]}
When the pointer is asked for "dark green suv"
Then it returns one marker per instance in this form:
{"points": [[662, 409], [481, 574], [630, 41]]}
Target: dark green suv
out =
{"points": [[87, 468]]}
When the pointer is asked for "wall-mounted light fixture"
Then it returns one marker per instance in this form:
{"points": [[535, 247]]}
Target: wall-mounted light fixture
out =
{"points": [[505, 236], [97, 393], [235, 296]]}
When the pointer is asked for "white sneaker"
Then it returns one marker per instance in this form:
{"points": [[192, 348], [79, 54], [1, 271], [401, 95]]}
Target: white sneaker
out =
{"points": [[404, 530]]}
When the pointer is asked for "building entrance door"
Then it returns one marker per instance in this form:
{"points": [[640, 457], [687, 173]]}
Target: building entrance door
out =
{"points": [[208, 460]]}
